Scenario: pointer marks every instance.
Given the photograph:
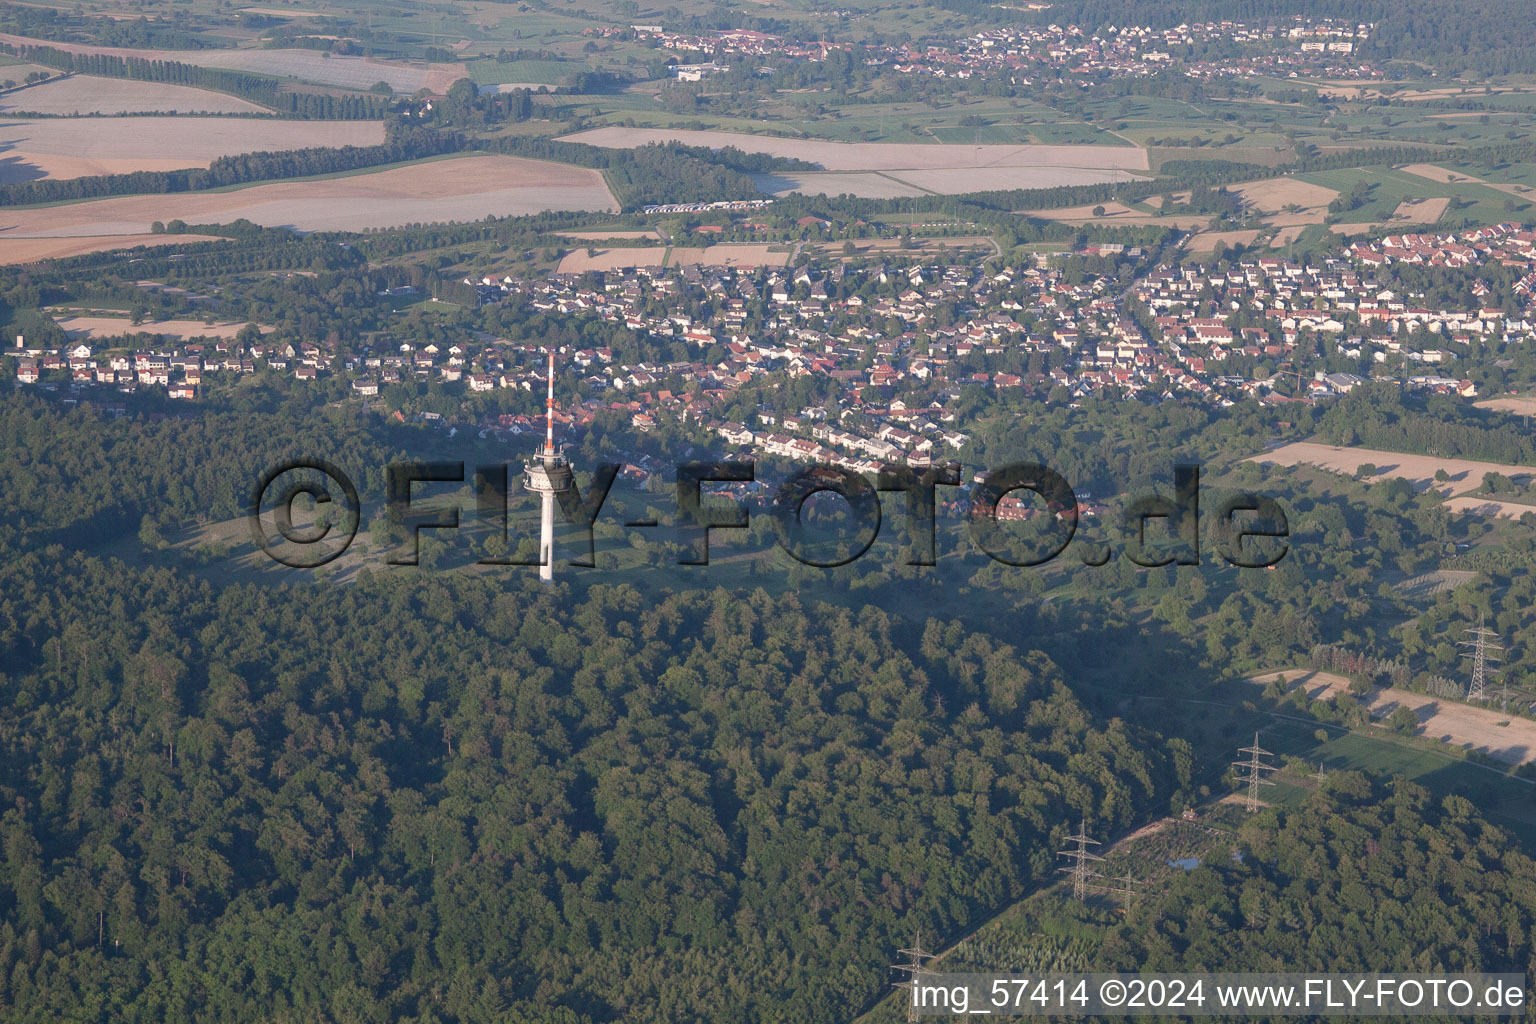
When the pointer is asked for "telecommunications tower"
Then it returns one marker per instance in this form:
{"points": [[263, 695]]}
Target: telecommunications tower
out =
{"points": [[548, 475]]}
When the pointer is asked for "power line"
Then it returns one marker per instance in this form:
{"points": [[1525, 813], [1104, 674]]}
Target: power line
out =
{"points": [[1255, 774]]}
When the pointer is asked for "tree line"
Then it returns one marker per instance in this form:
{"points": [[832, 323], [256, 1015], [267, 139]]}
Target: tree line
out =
{"points": [[259, 89], [239, 169]]}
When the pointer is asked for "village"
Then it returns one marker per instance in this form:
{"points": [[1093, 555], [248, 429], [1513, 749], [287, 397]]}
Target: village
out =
{"points": [[1029, 55], [899, 342]]}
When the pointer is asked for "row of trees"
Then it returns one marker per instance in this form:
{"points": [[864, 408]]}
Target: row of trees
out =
{"points": [[241, 168], [268, 92]]}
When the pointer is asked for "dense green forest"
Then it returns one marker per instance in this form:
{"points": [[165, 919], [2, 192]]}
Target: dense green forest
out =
{"points": [[444, 799], [1338, 883], [1365, 874]]}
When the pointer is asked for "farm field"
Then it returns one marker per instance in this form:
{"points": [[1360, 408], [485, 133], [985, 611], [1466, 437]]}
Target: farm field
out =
{"points": [[624, 257], [1489, 508], [1524, 189], [747, 255], [1389, 188], [1460, 725], [84, 94], [29, 250], [1207, 241], [1118, 213], [863, 184], [881, 156], [79, 146], [1419, 470], [307, 65], [1518, 404], [1272, 196], [93, 327], [603, 235], [1421, 211], [462, 189], [983, 177]]}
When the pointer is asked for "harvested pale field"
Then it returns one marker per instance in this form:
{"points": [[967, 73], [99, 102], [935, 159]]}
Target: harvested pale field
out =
{"points": [[1420, 211], [1506, 738], [279, 12], [93, 327], [626, 257], [1207, 241], [83, 94], [729, 256], [1286, 235], [983, 178], [1353, 90], [306, 65], [1488, 508], [884, 156], [460, 189], [623, 258], [1419, 470], [29, 250], [1510, 403], [1273, 195], [862, 184], [78, 146], [1440, 174], [325, 69], [1116, 213], [917, 243], [1111, 212]]}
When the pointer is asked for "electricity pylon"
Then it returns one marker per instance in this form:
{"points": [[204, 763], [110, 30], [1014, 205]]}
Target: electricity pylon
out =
{"points": [[1256, 769], [915, 967], [1484, 648], [1080, 858]]}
